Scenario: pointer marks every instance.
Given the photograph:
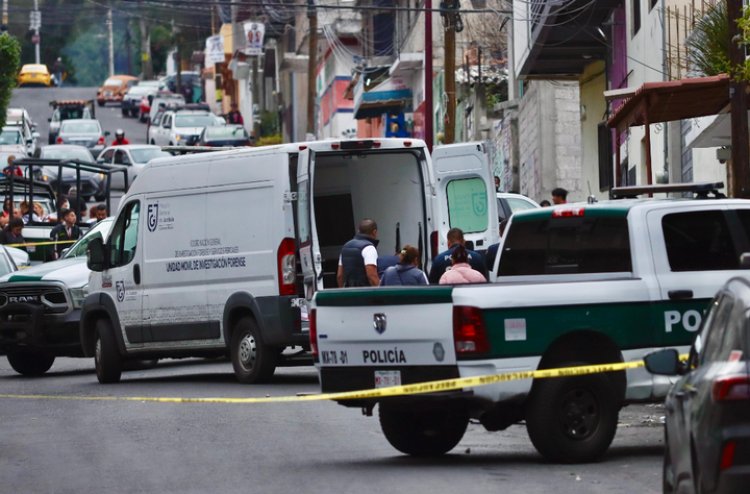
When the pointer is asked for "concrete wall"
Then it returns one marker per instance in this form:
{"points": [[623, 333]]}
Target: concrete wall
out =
{"points": [[549, 140]]}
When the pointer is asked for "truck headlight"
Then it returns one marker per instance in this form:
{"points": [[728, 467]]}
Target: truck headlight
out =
{"points": [[78, 295]]}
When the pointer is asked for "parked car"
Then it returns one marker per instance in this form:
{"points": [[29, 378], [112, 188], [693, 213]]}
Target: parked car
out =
{"points": [[180, 127], [114, 88], [68, 110], [84, 132], [134, 156], [164, 101], [93, 184], [33, 74], [509, 203], [131, 102], [707, 424], [223, 135], [20, 118]]}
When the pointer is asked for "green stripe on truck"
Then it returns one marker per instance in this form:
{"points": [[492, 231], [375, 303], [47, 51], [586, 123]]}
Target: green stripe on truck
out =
{"points": [[349, 297]]}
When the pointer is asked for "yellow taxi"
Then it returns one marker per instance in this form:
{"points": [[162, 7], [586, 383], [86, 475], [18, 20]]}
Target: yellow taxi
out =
{"points": [[33, 74]]}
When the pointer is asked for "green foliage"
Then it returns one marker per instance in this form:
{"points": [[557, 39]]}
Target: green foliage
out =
{"points": [[269, 123], [269, 140], [10, 59], [707, 45]]}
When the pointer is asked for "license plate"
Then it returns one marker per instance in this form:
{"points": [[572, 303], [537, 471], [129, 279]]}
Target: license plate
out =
{"points": [[385, 379]]}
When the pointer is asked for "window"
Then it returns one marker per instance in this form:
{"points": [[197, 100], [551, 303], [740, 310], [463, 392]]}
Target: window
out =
{"points": [[699, 241], [107, 156], [124, 237], [735, 332], [636, 16], [568, 245], [467, 204], [303, 208]]}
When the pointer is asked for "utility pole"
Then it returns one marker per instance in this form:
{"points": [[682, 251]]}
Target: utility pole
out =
{"points": [[147, 69], [312, 17], [110, 37], [428, 102], [37, 25], [450, 23], [739, 185]]}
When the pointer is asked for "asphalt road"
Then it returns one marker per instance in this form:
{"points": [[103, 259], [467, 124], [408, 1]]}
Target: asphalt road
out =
{"points": [[36, 101], [60, 446]]}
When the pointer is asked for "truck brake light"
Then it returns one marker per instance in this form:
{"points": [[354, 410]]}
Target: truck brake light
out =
{"points": [[567, 212], [312, 319], [469, 331], [287, 267], [59, 140], [731, 388]]}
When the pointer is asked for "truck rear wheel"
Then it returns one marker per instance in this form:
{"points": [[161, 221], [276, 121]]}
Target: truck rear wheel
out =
{"points": [[30, 362], [572, 419], [253, 361], [431, 432], [107, 358]]}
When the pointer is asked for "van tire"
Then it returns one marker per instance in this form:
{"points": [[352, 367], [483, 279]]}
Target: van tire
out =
{"points": [[572, 419], [253, 361], [426, 432], [30, 362], [107, 358]]}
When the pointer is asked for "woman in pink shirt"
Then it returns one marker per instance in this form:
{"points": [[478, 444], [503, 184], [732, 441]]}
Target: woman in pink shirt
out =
{"points": [[461, 271]]}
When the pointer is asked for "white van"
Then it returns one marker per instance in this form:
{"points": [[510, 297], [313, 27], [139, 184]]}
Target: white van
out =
{"points": [[215, 253]]}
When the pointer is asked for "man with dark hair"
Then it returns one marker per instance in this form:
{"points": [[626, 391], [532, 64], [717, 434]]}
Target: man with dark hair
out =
{"points": [[359, 258], [66, 231], [559, 196], [100, 213], [12, 234], [443, 260]]}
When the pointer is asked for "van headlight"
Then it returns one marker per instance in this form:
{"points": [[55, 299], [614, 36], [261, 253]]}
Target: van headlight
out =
{"points": [[78, 295]]}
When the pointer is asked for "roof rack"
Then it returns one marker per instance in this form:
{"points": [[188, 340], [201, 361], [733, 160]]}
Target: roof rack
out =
{"points": [[700, 189]]}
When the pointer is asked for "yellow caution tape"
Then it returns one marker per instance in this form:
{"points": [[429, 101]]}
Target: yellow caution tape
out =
{"points": [[408, 389], [34, 244]]}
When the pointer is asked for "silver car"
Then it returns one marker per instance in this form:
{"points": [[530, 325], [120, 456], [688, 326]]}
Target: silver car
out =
{"points": [[87, 133], [133, 156]]}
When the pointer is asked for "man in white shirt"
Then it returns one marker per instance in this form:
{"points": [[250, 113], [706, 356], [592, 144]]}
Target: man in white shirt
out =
{"points": [[358, 262]]}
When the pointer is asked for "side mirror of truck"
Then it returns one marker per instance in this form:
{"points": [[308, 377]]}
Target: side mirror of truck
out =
{"points": [[664, 362], [95, 259]]}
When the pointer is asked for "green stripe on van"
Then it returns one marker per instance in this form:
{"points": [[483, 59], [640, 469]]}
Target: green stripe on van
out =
{"points": [[21, 277], [349, 297]]}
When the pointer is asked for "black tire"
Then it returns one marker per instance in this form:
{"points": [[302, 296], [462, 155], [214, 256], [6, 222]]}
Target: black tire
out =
{"points": [[107, 358], [572, 419], [30, 362], [100, 103], [426, 432], [124, 112], [253, 361]]}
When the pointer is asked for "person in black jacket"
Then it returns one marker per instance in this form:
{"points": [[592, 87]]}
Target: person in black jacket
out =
{"points": [[443, 260], [66, 231], [12, 234], [359, 258]]}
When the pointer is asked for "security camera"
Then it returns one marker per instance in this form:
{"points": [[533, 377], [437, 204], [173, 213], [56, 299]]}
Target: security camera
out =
{"points": [[723, 154]]}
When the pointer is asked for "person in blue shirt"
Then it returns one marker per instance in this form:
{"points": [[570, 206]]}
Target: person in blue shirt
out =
{"points": [[406, 271], [443, 260]]}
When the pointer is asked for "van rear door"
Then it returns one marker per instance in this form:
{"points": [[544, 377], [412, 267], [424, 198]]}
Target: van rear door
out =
{"points": [[309, 250], [465, 196]]}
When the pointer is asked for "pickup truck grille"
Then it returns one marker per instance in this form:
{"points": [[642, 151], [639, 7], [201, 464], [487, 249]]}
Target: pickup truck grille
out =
{"points": [[52, 298]]}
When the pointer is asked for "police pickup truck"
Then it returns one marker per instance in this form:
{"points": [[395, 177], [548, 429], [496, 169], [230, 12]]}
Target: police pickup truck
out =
{"points": [[576, 284]]}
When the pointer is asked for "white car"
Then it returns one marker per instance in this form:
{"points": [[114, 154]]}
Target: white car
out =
{"points": [[509, 203], [20, 119], [164, 101], [134, 156], [181, 127]]}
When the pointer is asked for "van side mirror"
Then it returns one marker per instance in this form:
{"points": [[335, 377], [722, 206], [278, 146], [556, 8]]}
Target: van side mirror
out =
{"points": [[664, 362], [95, 259]]}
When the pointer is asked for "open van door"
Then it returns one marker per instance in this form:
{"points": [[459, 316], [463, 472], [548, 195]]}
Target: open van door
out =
{"points": [[307, 237], [465, 196]]}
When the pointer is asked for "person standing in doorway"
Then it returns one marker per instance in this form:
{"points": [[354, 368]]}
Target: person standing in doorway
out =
{"points": [[358, 262]]}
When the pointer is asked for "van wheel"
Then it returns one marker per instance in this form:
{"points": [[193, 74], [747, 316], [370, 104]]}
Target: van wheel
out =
{"points": [[107, 358], [253, 361], [30, 362], [572, 419], [431, 432]]}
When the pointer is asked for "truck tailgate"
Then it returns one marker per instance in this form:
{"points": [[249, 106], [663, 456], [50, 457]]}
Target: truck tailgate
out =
{"points": [[370, 338]]}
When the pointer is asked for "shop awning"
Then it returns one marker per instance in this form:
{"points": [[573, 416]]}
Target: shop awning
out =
{"points": [[390, 96]]}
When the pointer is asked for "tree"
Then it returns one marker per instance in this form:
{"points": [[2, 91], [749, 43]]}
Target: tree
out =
{"points": [[10, 58], [707, 45]]}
